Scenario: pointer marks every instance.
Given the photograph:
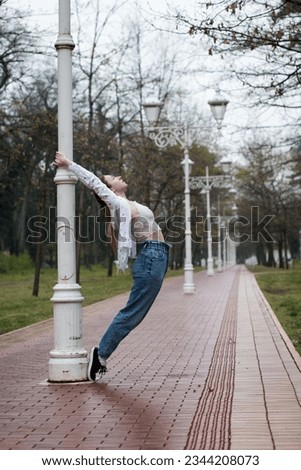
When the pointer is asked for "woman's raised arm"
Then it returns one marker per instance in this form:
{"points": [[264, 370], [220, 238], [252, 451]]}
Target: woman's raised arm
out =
{"points": [[89, 180]]}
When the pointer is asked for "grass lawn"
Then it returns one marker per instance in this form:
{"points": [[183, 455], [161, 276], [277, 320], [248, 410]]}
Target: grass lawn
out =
{"points": [[282, 289], [19, 308]]}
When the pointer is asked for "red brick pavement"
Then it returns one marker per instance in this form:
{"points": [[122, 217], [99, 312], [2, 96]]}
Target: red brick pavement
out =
{"points": [[212, 370]]}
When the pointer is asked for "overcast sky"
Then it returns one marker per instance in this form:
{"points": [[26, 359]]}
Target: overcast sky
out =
{"points": [[239, 114]]}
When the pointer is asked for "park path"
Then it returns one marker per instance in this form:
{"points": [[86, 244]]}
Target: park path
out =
{"points": [[213, 370]]}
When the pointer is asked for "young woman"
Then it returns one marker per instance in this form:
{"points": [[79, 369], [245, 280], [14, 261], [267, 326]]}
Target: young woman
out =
{"points": [[139, 237]]}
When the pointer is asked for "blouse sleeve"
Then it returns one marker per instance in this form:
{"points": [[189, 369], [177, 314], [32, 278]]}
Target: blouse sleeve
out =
{"points": [[94, 183], [126, 246]]}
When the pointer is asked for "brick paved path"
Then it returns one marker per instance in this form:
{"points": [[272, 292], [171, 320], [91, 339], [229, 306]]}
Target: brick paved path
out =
{"points": [[212, 370]]}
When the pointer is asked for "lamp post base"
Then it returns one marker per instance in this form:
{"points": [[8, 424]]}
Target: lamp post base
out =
{"points": [[68, 360], [210, 270], [188, 287], [68, 367]]}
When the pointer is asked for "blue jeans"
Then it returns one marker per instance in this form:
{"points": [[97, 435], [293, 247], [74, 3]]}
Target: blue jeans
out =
{"points": [[148, 272]]}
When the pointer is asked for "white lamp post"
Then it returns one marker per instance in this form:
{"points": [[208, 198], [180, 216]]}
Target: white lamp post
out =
{"points": [[226, 166], [210, 270], [164, 136], [229, 250], [223, 242], [68, 359], [206, 183], [218, 105], [188, 287], [219, 240]]}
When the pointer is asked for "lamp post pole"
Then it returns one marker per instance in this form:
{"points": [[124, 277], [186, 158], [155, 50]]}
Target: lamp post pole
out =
{"points": [[68, 359], [219, 243], [227, 257], [210, 270], [223, 228], [188, 287]]}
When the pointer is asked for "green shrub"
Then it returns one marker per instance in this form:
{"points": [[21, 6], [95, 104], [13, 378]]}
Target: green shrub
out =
{"points": [[15, 264]]}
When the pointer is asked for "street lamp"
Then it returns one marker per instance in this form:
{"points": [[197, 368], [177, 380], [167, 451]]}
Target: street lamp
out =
{"points": [[218, 105], [188, 287], [225, 165], [206, 183], [164, 136], [152, 109], [68, 359]]}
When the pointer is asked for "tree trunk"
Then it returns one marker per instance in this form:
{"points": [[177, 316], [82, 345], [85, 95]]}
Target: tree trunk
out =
{"points": [[110, 261], [39, 245], [280, 247], [285, 250], [21, 221], [37, 262], [271, 260], [260, 254]]}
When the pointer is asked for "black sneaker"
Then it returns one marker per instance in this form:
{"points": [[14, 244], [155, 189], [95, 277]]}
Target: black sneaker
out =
{"points": [[94, 364]]}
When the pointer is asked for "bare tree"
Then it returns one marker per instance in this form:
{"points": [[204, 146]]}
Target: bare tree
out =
{"points": [[265, 33], [27, 180], [17, 45]]}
